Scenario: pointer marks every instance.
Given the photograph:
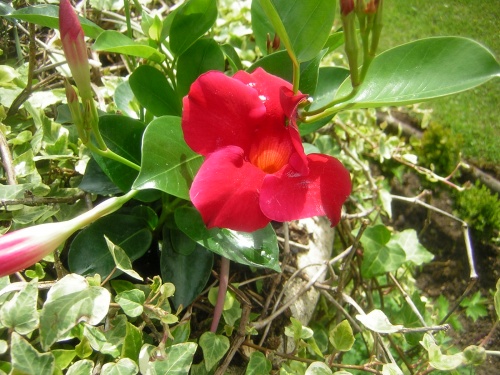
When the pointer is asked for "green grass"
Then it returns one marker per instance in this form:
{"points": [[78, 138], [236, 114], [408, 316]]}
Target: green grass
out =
{"points": [[474, 114]]}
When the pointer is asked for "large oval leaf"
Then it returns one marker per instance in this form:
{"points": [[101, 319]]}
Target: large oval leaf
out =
{"points": [[113, 41], [48, 16], [256, 249], [423, 70], [152, 90], [89, 254], [168, 164], [192, 20]]}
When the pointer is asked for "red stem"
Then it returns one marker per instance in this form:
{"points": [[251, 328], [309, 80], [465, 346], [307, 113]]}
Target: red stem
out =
{"points": [[221, 295]]}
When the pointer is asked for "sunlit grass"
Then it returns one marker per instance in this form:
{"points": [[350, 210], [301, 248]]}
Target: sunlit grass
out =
{"points": [[474, 114]]}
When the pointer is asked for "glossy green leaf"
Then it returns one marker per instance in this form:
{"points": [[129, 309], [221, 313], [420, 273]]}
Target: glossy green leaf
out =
{"points": [[318, 368], [423, 70], [378, 322], [257, 249], [258, 364], [153, 91], [63, 357], [380, 256], [204, 55], [177, 359], [27, 360], [69, 302], [131, 302], [48, 16], [341, 336], [126, 101], [307, 24], [95, 181], [329, 81], [192, 21], [123, 136], [279, 64], [412, 247], [169, 164], [89, 254], [214, 347], [115, 42], [125, 366], [20, 312], [232, 57], [196, 267]]}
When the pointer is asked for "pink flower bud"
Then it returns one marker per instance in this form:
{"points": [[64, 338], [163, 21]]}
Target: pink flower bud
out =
{"points": [[346, 7], [74, 47]]}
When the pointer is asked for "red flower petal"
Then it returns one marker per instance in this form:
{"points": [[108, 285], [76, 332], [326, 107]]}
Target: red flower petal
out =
{"points": [[220, 111], [288, 195], [226, 191]]}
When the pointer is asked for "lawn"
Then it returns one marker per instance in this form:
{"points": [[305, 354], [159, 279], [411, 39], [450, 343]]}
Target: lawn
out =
{"points": [[474, 114]]}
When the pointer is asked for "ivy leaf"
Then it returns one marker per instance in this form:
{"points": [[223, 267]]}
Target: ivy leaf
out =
{"points": [[131, 302], [20, 313], [258, 364], [378, 322], [380, 256], [214, 348], [341, 336], [121, 259], [177, 359], [408, 241], [318, 368], [82, 367], [26, 360], [124, 366]]}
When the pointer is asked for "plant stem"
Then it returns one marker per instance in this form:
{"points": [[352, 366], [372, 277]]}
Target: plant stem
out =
{"points": [[107, 153], [221, 295]]}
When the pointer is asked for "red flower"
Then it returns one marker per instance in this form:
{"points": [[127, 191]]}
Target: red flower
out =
{"points": [[255, 168]]}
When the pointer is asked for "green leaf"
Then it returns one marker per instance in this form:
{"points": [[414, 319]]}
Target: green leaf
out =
{"points": [[475, 306], [132, 342], [232, 57], [307, 24], [423, 70], [20, 313], [177, 359], [378, 322], [123, 136], [154, 92], [89, 254], [257, 249], [341, 336], [379, 256], [48, 16], [26, 360], [196, 268], [83, 367], [258, 364], [318, 368], [69, 302], [214, 347], [121, 259], [131, 302], [168, 164], [63, 357], [414, 251], [113, 41], [95, 181], [204, 55], [193, 19], [124, 366]]}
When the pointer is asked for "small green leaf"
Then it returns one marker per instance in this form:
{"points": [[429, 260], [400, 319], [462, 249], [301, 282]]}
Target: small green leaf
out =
{"points": [[26, 360], [63, 357], [83, 367], [48, 16], [257, 249], [475, 306], [20, 313], [177, 359], [121, 259], [214, 348], [297, 331], [154, 92], [423, 70], [168, 164], [193, 19], [414, 251], [124, 366], [318, 368], [380, 256], [378, 322], [341, 336], [258, 364], [113, 41], [131, 302]]}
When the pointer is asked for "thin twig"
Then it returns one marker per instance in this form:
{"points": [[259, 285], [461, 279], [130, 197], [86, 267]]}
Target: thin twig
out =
{"points": [[8, 165]]}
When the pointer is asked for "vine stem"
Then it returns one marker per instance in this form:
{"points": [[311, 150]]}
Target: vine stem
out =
{"points": [[221, 295]]}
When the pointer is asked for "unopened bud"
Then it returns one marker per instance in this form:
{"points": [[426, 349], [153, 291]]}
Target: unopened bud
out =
{"points": [[346, 7]]}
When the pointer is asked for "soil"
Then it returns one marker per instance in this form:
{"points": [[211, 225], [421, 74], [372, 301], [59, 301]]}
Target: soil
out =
{"points": [[449, 273]]}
